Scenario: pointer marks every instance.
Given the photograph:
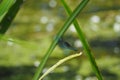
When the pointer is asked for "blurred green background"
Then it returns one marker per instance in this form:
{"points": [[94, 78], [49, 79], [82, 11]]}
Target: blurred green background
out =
{"points": [[35, 26]]}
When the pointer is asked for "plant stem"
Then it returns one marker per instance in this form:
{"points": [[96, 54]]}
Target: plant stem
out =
{"points": [[60, 33], [85, 43]]}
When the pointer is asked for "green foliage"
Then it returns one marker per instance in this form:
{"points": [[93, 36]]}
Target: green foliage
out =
{"points": [[7, 20], [4, 6], [60, 33], [85, 44], [27, 49]]}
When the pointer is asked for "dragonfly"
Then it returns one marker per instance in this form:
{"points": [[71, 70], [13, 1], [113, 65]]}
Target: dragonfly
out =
{"points": [[65, 46]]}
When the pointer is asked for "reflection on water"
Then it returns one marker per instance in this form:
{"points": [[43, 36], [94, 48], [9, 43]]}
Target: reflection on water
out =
{"points": [[117, 50], [116, 27], [72, 28], [78, 43], [95, 19], [52, 3], [44, 19], [50, 27], [117, 18], [36, 63]]}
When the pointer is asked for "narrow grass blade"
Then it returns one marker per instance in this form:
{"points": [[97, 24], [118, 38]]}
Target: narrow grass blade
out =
{"points": [[84, 42], [5, 5], [7, 20], [60, 33]]}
